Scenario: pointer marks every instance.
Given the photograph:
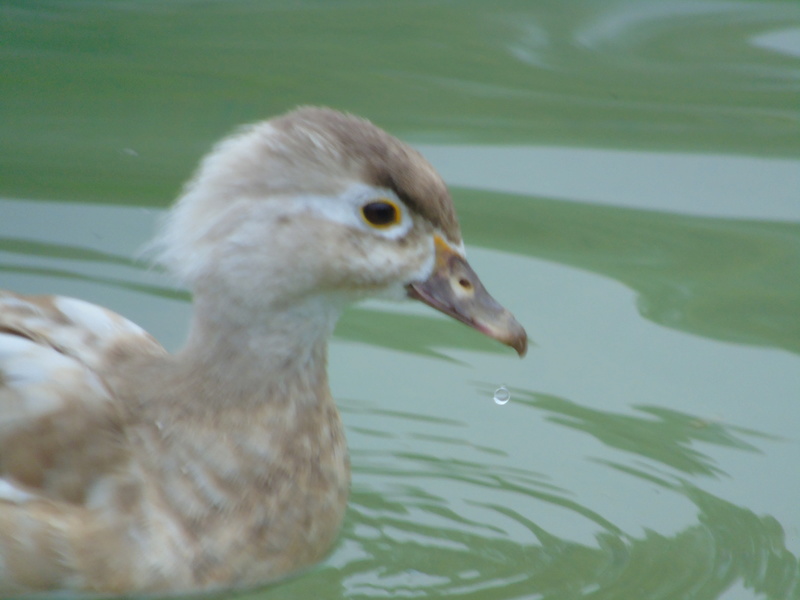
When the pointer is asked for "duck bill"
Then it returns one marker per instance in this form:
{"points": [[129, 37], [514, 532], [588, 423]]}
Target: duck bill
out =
{"points": [[454, 289]]}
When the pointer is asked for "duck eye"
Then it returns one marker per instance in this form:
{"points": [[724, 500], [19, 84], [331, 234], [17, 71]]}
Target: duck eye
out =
{"points": [[381, 213]]}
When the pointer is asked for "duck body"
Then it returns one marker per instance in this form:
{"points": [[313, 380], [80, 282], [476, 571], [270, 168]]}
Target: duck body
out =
{"points": [[127, 470], [125, 486]]}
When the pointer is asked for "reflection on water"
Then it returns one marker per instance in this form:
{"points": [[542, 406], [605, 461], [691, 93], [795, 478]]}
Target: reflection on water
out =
{"points": [[665, 62], [406, 541], [667, 438], [109, 101], [729, 279]]}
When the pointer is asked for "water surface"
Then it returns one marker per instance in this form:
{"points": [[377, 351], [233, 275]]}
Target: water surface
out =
{"points": [[628, 183]]}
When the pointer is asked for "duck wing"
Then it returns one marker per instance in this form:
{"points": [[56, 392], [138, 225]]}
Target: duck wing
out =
{"points": [[65, 462], [60, 426]]}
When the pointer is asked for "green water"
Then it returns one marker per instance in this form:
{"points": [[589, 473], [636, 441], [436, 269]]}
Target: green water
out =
{"points": [[627, 176]]}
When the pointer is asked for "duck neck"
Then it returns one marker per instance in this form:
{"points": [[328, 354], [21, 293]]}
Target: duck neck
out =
{"points": [[275, 351]]}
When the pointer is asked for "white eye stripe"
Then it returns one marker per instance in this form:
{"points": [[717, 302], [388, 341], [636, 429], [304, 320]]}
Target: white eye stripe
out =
{"points": [[346, 209]]}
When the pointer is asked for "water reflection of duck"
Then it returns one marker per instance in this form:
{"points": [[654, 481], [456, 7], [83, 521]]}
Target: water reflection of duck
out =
{"points": [[126, 469]]}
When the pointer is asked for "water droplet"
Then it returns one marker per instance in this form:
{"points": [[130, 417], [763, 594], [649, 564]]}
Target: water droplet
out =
{"points": [[502, 395]]}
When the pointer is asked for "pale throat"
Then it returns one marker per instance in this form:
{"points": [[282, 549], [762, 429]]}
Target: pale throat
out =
{"points": [[252, 344]]}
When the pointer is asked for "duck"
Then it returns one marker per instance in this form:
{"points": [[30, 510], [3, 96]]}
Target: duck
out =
{"points": [[125, 469]]}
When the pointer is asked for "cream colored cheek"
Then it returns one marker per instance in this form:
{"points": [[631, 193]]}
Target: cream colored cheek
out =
{"points": [[386, 270], [425, 263]]}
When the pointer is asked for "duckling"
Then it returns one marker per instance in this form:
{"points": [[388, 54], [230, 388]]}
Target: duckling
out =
{"points": [[128, 470]]}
